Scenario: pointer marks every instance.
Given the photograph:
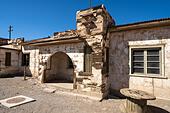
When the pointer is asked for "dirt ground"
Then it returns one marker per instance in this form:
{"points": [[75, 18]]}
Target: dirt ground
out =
{"points": [[58, 103]]}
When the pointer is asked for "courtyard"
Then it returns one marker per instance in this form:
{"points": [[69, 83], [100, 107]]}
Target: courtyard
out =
{"points": [[63, 102]]}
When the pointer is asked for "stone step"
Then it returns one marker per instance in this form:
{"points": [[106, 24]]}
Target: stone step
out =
{"points": [[86, 92]]}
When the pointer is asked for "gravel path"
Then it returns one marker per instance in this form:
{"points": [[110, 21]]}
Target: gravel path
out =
{"points": [[63, 103], [51, 103]]}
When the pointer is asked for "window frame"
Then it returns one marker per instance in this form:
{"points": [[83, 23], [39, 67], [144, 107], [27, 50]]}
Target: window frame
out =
{"points": [[161, 57]]}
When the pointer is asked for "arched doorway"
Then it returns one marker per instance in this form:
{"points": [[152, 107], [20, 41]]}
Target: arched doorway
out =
{"points": [[61, 69]]}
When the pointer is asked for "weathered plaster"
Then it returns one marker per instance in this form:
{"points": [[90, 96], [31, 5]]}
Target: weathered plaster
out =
{"points": [[119, 59]]}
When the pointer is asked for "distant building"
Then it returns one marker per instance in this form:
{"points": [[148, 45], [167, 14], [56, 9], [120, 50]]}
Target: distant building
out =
{"points": [[102, 57], [3, 41], [10, 57]]}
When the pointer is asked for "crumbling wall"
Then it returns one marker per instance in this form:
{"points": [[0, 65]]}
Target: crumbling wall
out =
{"points": [[92, 25], [74, 51]]}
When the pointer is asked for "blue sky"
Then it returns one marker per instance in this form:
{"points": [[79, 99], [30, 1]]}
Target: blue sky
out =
{"points": [[40, 18]]}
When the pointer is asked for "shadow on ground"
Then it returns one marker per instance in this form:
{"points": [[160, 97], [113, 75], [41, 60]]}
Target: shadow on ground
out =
{"points": [[154, 109], [13, 75]]}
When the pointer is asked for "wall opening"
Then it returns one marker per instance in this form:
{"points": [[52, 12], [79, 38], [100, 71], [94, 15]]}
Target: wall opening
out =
{"points": [[61, 69]]}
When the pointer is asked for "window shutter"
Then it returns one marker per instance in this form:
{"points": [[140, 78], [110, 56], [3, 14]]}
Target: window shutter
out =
{"points": [[88, 59]]}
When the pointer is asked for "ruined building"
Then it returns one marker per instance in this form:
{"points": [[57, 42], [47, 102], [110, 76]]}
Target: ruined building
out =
{"points": [[99, 56]]}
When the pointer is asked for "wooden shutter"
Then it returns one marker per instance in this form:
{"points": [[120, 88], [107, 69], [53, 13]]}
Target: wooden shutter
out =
{"points": [[88, 59], [107, 60]]}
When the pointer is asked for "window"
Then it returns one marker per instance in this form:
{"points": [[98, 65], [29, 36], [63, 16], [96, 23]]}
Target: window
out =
{"points": [[8, 59], [146, 61], [153, 61], [25, 59]]}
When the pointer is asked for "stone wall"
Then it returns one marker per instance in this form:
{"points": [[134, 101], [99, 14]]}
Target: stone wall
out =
{"points": [[119, 59], [14, 68]]}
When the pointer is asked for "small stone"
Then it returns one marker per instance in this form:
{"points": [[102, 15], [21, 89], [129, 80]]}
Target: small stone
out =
{"points": [[34, 83]]}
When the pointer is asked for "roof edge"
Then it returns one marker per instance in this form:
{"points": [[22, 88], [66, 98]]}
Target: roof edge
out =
{"points": [[141, 25], [53, 41], [10, 48]]}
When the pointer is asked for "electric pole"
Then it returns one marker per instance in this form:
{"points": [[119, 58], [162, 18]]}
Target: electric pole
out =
{"points": [[10, 31]]}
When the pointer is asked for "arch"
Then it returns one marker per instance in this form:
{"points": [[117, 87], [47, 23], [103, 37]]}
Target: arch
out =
{"points": [[59, 69]]}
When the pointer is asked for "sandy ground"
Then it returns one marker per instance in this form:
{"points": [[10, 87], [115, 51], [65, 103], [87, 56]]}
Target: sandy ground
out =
{"points": [[58, 103]]}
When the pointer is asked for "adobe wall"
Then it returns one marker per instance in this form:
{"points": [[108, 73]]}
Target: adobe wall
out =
{"points": [[119, 59]]}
